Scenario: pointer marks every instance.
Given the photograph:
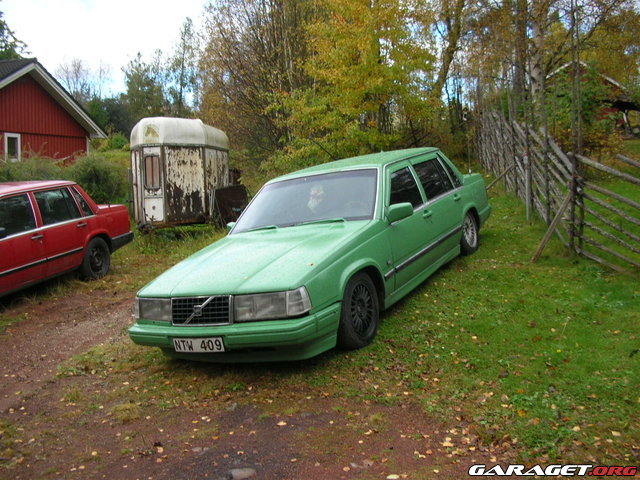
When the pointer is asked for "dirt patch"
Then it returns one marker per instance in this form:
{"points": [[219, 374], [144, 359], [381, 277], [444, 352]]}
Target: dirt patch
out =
{"points": [[51, 434], [53, 331]]}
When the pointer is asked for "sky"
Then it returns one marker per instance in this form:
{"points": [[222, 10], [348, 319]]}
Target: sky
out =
{"points": [[107, 32]]}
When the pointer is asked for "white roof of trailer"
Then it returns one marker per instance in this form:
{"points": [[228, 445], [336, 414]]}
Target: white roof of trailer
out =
{"points": [[177, 131]]}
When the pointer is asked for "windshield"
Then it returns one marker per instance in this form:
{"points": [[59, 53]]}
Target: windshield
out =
{"points": [[340, 196]]}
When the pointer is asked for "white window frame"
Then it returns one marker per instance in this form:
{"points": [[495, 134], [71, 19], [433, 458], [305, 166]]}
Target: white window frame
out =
{"points": [[7, 136]]}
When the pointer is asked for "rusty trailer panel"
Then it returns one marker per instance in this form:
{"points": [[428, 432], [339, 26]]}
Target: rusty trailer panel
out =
{"points": [[185, 184]]}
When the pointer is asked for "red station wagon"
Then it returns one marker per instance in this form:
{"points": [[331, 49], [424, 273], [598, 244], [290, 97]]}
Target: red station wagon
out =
{"points": [[51, 227]]}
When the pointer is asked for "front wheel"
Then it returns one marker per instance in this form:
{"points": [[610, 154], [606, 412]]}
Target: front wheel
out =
{"points": [[97, 260], [360, 313], [470, 240]]}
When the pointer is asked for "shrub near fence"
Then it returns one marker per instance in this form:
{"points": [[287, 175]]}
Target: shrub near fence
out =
{"points": [[597, 206]]}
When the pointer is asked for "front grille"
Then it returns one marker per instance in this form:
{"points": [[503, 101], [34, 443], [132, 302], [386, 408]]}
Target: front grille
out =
{"points": [[201, 310]]}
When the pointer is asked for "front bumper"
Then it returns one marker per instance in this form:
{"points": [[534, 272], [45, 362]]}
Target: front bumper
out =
{"points": [[272, 340]]}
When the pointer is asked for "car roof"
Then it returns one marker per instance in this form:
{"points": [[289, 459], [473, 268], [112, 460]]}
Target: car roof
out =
{"points": [[372, 160], [8, 188]]}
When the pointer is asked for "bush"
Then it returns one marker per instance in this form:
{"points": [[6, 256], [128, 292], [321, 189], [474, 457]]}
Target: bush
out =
{"points": [[34, 168], [118, 141], [104, 180], [115, 141]]}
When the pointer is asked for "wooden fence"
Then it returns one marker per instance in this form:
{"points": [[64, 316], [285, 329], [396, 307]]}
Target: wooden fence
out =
{"points": [[593, 208]]}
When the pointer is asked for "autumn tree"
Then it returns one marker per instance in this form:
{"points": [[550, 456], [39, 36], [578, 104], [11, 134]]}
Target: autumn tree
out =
{"points": [[252, 60], [451, 27], [182, 71], [369, 77], [524, 41], [10, 47], [614, 47], [145, 87]]}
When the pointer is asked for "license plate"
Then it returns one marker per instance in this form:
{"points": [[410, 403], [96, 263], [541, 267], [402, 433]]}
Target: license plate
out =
{"points": [[198, 345]]}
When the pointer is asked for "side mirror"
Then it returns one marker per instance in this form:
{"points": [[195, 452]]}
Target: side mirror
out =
{"points": [[399, 211], [3, 232], [230, 225]]}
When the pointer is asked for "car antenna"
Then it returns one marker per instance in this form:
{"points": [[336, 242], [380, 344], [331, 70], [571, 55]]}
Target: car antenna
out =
{"points": [[333, 157]]}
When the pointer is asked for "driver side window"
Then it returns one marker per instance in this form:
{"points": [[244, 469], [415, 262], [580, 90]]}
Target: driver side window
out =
{"points": [[16, 215]]}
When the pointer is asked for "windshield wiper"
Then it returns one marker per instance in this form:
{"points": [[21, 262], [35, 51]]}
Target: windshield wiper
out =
{"points": [[264, 227], [324, 220]]}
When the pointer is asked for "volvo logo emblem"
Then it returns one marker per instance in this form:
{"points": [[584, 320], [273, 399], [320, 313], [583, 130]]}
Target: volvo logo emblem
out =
{"points": [[197, 310]]}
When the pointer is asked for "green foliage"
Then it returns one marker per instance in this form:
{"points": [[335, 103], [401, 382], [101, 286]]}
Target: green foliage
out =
{"points": [[10, 47], [615, 45], [182, 71], [117, 141], [33, 168], [599, 125], [145, 90], [113, 144], [112, 114], [104, 180]]}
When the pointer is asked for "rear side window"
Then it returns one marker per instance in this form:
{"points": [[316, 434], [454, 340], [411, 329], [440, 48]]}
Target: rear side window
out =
{"points": [[404, 188], [56, 206], [454, 178], [16, 214], [84, 206], [433, 178]]}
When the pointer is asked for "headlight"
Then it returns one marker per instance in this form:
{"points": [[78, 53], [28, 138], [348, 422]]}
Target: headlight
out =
{"points": [[158, 309], [267, 306]]}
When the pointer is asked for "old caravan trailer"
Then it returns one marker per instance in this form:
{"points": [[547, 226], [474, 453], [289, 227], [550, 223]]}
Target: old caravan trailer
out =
{"points": [[177, 164]]}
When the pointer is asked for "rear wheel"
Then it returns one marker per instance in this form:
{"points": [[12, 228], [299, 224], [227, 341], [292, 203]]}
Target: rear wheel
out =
{"points": [[97, 260], [470, 239], [360, 313]]}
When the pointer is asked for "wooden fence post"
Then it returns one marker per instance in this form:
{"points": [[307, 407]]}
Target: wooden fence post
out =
{"points": [[527, 187], [552, 227]]}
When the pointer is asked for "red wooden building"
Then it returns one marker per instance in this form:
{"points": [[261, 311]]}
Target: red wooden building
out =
{"points": [[38, 116]]}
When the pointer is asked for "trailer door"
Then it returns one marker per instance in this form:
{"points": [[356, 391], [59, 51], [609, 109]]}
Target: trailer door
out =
{"points": [[153, 182]]}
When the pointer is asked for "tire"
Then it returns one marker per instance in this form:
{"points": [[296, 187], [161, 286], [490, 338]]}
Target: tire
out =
{"points": [[360, 313], [97, 260], [470, 238]]}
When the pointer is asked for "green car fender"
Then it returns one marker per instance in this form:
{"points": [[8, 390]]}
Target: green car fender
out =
{"points": [[324, 290]]}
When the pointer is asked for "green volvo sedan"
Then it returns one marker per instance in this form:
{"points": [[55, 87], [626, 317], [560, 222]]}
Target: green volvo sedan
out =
{"points": [[314, 258]]}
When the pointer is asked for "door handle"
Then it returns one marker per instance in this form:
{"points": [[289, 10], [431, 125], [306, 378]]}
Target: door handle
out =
{"points": [[456, 197], [427, 214], [37, 237], [81, 225]]}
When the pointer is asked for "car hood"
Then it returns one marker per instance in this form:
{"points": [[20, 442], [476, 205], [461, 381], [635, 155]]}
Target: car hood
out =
{"points": [[254, 262]]}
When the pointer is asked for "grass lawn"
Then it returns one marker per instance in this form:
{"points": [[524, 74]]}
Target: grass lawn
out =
{"points": [[543, 357]]}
